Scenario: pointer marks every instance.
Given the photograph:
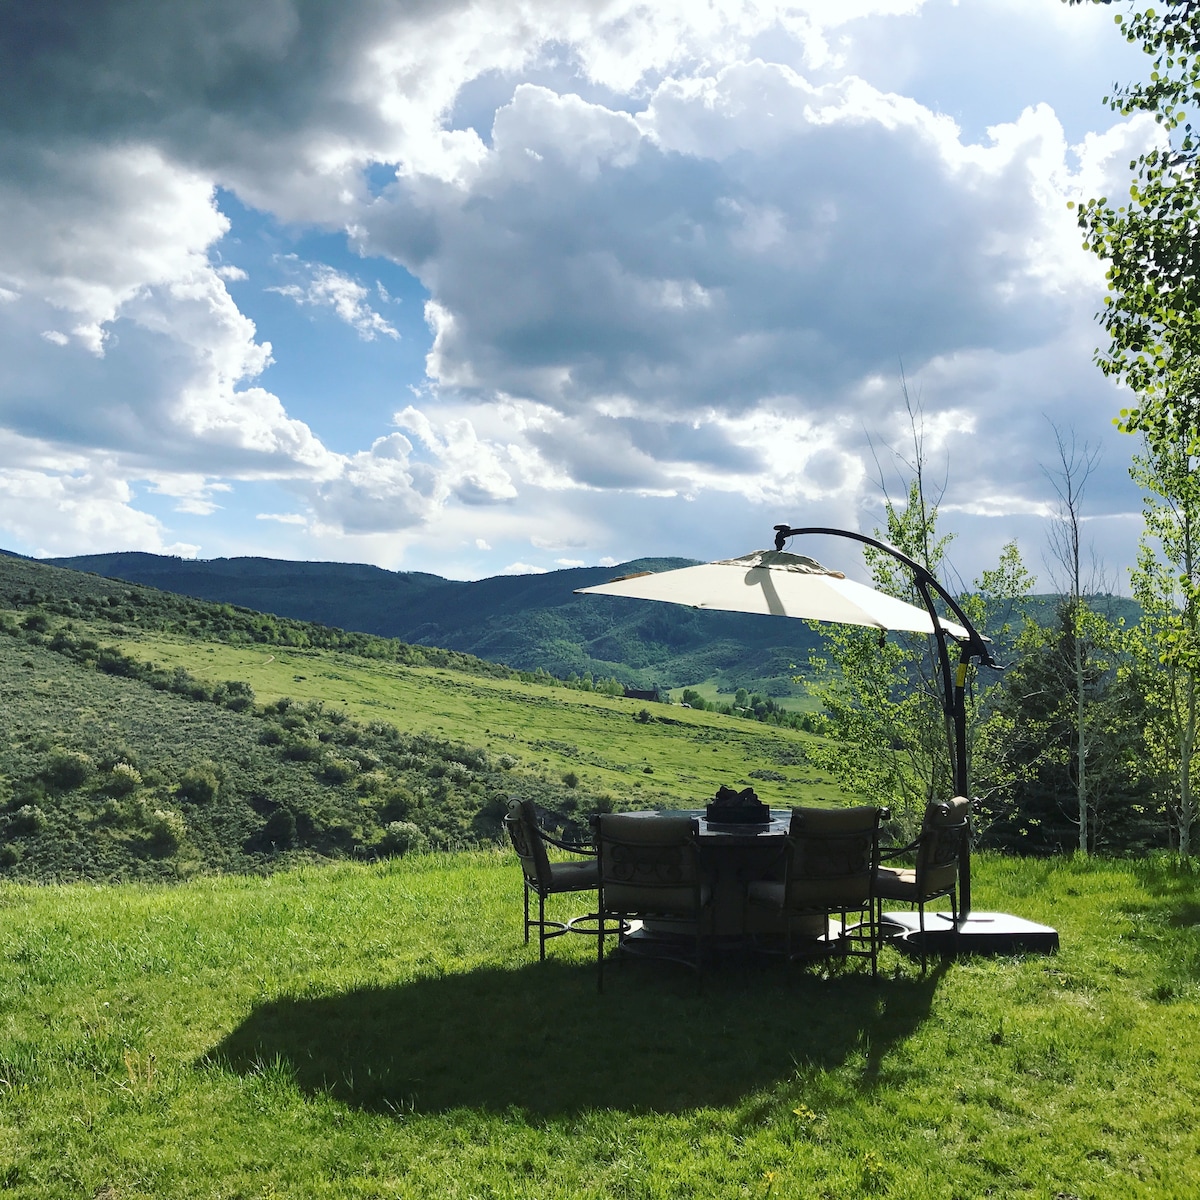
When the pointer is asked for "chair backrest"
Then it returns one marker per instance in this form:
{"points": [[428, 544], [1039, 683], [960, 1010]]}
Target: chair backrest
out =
{"points": [[649, 863], [946, 825], [832, 857], [521, 823]]}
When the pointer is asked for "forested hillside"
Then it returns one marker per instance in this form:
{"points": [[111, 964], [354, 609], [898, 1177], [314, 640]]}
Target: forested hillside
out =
{"points": [[526, 621]]}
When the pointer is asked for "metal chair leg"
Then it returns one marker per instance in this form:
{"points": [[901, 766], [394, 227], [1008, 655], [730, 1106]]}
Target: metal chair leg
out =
{"points": [[600, 951]]}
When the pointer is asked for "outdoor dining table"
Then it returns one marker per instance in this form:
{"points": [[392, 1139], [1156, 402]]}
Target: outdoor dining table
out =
{"points": [[735, 855]]}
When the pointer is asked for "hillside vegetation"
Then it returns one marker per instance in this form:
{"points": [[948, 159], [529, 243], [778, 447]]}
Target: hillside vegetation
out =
{"points": [[526, 621], [152, 736]]}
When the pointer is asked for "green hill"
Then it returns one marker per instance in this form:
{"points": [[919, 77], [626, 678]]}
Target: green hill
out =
{"points": [[149, 735], [526, 621]]}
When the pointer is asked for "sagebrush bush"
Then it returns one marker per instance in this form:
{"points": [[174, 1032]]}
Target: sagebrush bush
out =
{"points": [[199, 784], [337, 769], [68, 769], [303, 750], [165, 830], [28, 819], [123, 779], [403, 837]]}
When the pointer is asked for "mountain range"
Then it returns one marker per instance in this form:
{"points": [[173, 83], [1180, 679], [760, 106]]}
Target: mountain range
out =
{"points": [[524, 621]]}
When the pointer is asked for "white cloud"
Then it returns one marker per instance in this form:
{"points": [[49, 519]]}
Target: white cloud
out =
{"points": [[520, 568], [69, 512], [328, 288], [282, 518]]}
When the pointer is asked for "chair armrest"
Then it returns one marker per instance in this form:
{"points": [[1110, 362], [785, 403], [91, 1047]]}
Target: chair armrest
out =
{"points": [[589, 851], [889, 852]]}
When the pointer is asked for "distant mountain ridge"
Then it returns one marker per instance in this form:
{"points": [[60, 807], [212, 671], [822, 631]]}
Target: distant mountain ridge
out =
{"points": [[524, 621]]}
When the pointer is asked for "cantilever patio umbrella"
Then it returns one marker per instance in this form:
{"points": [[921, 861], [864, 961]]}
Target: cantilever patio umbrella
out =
{"points": [[790, 585], [777, 583]]}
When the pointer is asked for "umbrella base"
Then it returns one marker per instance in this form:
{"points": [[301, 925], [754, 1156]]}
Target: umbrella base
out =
{"points": [[978, 933]]}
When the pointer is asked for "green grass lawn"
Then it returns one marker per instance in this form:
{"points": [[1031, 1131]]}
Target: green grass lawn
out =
{"points": [[381, 1031]]}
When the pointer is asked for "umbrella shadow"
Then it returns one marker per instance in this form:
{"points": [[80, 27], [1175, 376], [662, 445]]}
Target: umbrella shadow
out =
{"points": [[540, 1039]]}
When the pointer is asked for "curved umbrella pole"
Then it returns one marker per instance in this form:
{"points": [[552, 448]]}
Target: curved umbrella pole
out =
{"points": [[954, 680]]}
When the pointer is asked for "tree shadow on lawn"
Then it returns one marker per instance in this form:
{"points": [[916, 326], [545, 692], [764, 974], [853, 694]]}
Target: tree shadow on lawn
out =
{"points": [[539, 1038]]}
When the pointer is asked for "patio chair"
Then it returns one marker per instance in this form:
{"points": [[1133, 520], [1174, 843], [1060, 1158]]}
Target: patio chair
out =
{"points": [[829, 865], [651, 868], [545, 878], [937, 849]]}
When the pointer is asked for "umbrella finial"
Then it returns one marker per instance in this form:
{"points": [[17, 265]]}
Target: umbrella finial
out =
{"points": [[781, 535]]}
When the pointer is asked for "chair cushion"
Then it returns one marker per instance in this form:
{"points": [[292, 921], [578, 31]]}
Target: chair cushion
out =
{"points": [[826, 822], [651, 828], [896, 883], [574, 876]]}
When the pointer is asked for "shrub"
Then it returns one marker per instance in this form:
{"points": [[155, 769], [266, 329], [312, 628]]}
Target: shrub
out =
{"points": [[571, 779], [337, 769], [302, 751], [644, 716], [279, 831], [111, 813], [165, 830], [237, 695], [10, 855], [28, 819], [403, 837], [112, 662], [123, 779], [372, 783], [199, 784], [397, 804], [506, 762], [67, 769]]}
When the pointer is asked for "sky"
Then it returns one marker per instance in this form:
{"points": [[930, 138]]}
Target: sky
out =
{"points": [[498, 287]]}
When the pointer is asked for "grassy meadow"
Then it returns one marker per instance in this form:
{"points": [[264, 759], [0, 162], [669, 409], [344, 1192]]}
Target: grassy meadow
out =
{"points": [[380, 1030], [675, 757]]}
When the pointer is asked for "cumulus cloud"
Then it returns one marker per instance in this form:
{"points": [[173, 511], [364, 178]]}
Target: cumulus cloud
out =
{"points": [[698, 295], [699, 255], [520, 568], [673, 252], [327, 288], [66, 512]]}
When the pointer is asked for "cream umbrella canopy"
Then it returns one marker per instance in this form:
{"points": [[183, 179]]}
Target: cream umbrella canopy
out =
{"points": [[777, 583]]}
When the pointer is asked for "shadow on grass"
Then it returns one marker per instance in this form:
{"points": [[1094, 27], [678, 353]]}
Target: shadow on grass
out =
{"points": [[540, 1039]]}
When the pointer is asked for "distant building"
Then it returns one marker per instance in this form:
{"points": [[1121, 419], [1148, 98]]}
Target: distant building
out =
{"points": [[640, 694]]}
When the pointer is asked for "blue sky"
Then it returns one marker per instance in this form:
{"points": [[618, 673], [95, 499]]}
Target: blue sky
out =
{"points": [[473, 287]]}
